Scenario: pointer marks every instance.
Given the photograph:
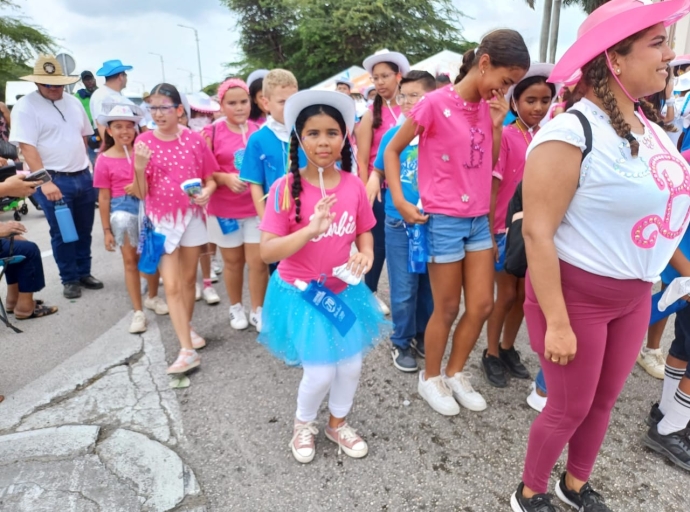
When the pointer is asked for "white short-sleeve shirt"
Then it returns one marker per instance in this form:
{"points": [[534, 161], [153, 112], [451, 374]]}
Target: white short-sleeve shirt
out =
{"points": [[56, 129], [629, 214], [103, 95]]}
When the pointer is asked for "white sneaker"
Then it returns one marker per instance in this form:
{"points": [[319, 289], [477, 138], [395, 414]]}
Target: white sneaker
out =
{"points": [[438, 395], [138, 323], [534, 400], [652, 360], [213, 276], [217, 265], [238, 317], [210, 295], [382, 306], [197, 293], [464, 393], [157, 305], [255, 318]]}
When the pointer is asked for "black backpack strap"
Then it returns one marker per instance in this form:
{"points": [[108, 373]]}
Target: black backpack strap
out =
{"points": [[587, 128]]}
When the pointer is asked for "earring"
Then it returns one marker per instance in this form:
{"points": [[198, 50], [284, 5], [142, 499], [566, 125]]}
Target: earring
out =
{"points": [[482, 71], [618, 71]]}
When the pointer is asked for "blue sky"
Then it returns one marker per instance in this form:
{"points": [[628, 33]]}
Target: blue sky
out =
{"points": [[96, 30]]}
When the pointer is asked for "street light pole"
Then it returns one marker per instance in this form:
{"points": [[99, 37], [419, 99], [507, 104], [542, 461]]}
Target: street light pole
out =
{"points": [[162, 63], [198, 53], [191, 79]]}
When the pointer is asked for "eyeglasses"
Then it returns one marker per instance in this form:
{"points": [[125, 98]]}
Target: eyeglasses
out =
{"points": [[49, 86], [163, 109], [408, 98], [382, 78]]}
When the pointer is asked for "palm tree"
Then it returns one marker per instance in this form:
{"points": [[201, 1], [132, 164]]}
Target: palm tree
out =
{"points": [[550, 23]]}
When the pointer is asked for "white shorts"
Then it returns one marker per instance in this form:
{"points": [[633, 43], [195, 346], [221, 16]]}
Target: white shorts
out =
{"points": [[176, 235], [247, 234]]}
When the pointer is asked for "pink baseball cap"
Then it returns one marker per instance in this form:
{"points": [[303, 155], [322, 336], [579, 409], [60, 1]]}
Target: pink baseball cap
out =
{"points": [[609, 25]]}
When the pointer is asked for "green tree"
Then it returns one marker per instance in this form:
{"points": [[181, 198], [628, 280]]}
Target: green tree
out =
{"points": [[19, 42], [317, 39]]}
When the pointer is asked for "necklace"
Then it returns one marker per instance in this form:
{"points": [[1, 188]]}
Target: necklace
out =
{"points": [[524, 132]]}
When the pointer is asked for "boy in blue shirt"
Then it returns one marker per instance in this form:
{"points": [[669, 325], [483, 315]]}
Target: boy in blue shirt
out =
{"points": [[267, 156], [411, 300]]}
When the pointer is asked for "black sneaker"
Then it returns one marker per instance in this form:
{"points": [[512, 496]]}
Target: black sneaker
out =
{"points": [[404, 360], [675, 446], [655, 416], [587, 500], [511, 358], [71, 290], [494, 371], [91, 283], [537, 503], [418, 346]]}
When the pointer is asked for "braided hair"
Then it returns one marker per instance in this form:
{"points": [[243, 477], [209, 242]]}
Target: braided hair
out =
{"points": [[378, 101], [596, 75], [346, 153]]}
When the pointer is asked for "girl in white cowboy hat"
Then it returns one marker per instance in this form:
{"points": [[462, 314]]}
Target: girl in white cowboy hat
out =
{"points": [[119, 208], [312, 218]]}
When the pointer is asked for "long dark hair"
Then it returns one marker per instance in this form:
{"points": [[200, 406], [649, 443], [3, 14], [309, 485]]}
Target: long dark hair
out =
{"points": [[345, 154], [657, 100], [378, 101], [168, 90], [255, 88], [505, 47], [109, 142], [525, 84]]}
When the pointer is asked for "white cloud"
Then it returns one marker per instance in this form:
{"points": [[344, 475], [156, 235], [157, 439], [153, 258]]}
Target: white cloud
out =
{"points": [[93, 31]]}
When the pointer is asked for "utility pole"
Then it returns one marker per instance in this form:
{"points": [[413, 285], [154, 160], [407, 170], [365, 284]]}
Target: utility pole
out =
{"points": [[162, 63], [198, 53], [191, 79]]}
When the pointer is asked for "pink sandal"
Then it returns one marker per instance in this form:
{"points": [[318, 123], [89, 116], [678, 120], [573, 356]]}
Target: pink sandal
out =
{"points": [[187, 360]]}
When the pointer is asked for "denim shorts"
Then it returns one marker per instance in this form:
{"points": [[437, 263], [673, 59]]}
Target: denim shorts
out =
{"points": [[500, 238], [129, 204], [450, 237]]}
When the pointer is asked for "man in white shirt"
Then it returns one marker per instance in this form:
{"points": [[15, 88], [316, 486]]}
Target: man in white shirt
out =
{"points": [[115, 74], [51, 129]]}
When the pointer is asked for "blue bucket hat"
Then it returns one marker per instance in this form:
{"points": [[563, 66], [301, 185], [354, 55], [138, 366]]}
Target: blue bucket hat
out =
{"points": [[112, 67]]}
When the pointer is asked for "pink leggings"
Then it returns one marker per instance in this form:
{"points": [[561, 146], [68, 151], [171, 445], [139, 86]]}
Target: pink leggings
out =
{"points": [[610, 318]]}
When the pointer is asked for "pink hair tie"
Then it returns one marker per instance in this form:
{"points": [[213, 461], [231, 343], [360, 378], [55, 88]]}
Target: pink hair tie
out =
{"points": [[231, 83]]}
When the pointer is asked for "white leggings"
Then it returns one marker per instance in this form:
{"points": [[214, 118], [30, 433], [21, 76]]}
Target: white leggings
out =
{"points": [[341, 378]]}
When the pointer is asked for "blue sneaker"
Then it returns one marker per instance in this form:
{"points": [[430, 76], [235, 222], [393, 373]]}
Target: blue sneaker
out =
{"points": [[418, 346], [404, 360]]}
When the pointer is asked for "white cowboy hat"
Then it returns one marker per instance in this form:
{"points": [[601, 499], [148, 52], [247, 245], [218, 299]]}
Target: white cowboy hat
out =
{"points": [[345, 81], [682, 83], [48, 71], [256, 75], [202, 102], [120, 112], [339, 101], [385, 56], [536, 69]]}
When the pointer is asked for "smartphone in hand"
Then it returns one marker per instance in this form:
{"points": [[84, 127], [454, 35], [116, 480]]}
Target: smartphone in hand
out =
{"points": [[41, 176]]}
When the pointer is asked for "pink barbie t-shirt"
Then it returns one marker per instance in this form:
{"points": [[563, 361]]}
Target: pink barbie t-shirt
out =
{"points": [[509, 169], [353, 216], [455, 154], [172, 163], [113, 174], [228, 148]]}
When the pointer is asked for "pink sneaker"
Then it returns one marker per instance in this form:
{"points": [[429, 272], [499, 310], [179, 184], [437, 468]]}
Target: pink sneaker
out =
{"points": [[197, 341], [303, 442], [347, 440], [186, 360]]}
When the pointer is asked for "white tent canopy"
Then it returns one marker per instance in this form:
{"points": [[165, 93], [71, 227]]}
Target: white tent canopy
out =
{"points": [[351, 73]]}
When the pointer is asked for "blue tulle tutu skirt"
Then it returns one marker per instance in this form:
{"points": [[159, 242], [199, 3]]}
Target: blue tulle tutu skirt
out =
{"points": [[296, 332]]}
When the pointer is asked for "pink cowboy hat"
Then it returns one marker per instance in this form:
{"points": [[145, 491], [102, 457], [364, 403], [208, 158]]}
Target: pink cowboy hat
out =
{"points": [[609, 25], [680, 60]]}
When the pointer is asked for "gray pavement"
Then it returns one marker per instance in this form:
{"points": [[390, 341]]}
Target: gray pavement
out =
{"points": [[237, 417]]}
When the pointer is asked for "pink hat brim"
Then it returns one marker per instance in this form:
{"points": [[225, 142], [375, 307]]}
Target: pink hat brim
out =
{"points": [[612, 30]]}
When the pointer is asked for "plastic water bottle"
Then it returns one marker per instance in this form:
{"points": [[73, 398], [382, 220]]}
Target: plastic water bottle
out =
{"points": [[417, 246], [63, 215]]}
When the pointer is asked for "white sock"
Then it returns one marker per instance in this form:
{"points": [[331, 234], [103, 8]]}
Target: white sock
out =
{"points": [[672, 378], [677, 416]]}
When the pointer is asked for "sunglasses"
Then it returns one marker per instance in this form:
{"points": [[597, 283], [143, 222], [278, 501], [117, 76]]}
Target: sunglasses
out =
{"points": [[48, 86]]}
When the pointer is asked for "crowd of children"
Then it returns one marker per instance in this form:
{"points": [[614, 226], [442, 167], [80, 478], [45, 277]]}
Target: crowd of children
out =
{"points": [[298, 186]]}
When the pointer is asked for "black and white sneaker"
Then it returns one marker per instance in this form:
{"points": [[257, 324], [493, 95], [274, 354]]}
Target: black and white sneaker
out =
{"points": [[675, 446], [511, 359], [655, 416], [537, 503], [587, 500], [404, 360], [418, 345]]}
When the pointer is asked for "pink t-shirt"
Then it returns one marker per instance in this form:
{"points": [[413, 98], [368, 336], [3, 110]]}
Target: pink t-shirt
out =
{"points": [[228, 148], [172, 163], [353, 216], [112, 173], [455, 153], [389, 118], [509, 169]]}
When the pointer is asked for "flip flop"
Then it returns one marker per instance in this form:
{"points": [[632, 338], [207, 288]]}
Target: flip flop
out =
{"points": [[38, 302], [40, 310]]}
